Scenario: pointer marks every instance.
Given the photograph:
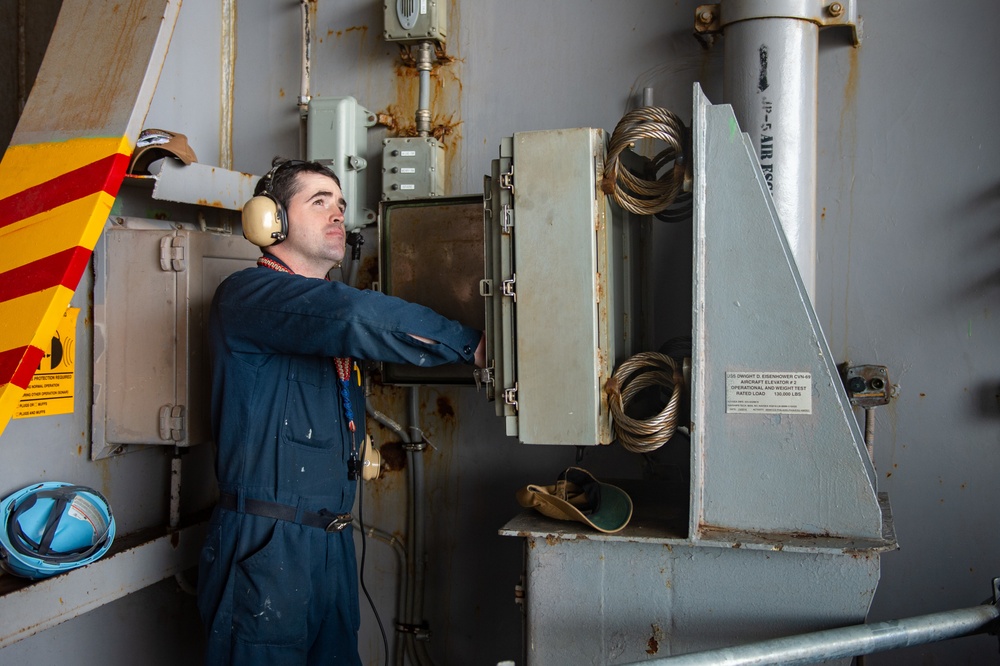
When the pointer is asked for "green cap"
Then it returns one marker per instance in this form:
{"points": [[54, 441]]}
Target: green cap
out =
{"points": [[577, 495]]}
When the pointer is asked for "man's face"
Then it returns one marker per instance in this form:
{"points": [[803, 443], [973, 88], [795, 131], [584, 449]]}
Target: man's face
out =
{"points": [[316, 221]]}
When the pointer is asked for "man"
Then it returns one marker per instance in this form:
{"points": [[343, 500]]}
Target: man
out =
{"points": [[277, 575]]}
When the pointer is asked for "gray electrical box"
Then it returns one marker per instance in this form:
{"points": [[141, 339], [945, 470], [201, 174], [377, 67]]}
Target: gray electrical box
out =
{"points": [[153, 284], [412, 168], [558, 287], [431, 253], [337, 135], [415, 21]]}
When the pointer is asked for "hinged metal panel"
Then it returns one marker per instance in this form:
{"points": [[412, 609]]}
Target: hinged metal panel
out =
{"points": [[554, 319], [430, 252], [499, 261], [135, 329]]}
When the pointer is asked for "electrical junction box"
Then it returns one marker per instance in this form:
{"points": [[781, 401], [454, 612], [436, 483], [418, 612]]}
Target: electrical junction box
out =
{"points": [[412, 168], [431, 253], [153, 285], [337, 135], [415, 21], [561, 287]]}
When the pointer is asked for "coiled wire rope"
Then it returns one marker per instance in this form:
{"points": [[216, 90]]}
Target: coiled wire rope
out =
{"points": [[641, 371], [653, 186], [643, 190]]}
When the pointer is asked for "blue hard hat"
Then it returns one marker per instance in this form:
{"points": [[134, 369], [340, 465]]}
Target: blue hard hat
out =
{"points": [[52, 527]]}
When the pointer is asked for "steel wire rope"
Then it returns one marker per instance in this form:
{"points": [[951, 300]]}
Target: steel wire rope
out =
{"points": [[647, 193], [641, 371]]}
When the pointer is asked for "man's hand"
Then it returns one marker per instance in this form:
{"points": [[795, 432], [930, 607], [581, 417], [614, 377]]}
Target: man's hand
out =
{"points": [[480, 359]]}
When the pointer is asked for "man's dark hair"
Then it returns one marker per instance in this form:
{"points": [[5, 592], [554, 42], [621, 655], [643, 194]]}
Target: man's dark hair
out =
{"points": [[284, 178]]}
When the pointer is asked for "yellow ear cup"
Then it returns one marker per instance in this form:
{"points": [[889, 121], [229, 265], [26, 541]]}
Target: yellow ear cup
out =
{"points": [[262, 223]]}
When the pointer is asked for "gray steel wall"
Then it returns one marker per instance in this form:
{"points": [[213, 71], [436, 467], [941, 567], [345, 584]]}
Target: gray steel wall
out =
{"points": [[908, 272]]}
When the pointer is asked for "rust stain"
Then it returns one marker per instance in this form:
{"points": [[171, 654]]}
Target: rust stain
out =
{"points": [[393, 457], [360, 30], [653, 644], [551, 539], [79, 450], [444, 407], [848, 140], [281, 92], [445, 104], [367, 272]]}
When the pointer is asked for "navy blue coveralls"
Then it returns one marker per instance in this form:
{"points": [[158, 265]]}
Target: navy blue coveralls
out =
{"points": [[276, 591]]}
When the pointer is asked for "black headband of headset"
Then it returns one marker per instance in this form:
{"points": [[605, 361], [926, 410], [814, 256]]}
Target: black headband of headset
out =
{"points": [[264, 184]]}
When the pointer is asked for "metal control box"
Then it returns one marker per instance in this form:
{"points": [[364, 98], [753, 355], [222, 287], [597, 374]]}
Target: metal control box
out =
{"points": [[431, 253], [415, 21], [337, 135], [412, 168], [556, 288], [153, 285]]}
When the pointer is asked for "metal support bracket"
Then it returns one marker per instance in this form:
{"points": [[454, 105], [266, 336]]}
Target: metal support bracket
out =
{"points": [[713, 19]]}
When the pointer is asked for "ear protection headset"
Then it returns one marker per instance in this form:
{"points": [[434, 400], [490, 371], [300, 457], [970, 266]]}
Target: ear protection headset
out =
{"points": [[265, 221]]}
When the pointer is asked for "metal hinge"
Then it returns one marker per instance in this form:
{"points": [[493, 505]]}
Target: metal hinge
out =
{"points": [[483, 377], [507, 287], [173, 423], [172, 253], [506, 218], [510, 396], [507, 179]]}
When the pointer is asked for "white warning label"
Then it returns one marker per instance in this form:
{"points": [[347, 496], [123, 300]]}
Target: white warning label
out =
{"points": [[768, 393]]}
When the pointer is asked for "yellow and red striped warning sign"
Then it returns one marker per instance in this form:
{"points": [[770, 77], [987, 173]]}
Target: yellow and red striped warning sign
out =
{"points": [[49, 225]]}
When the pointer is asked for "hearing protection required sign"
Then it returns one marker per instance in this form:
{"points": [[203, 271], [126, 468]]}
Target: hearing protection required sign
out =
{"points": [[51, 391]]}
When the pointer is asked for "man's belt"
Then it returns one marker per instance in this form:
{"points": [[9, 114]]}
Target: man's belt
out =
{"points": [[324, 520]]}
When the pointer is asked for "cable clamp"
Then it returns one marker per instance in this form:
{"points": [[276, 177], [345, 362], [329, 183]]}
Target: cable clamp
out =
{"points": [[421, 632], [415, 446]]}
